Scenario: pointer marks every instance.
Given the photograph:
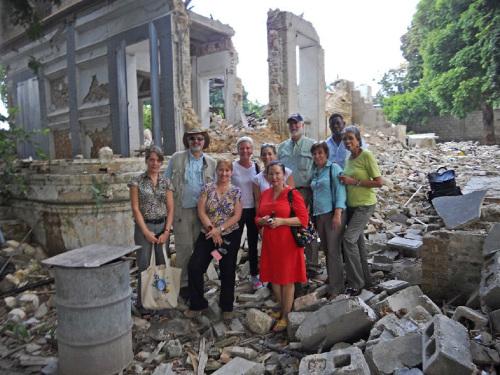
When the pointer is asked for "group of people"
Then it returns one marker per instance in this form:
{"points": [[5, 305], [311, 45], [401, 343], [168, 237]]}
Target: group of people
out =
{"points": [[209, 203]]}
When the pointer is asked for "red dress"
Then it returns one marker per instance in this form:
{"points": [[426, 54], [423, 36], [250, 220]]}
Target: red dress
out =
{"points": [[282, 261]]}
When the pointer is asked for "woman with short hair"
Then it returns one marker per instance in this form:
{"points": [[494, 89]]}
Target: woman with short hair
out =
{"points": [[152, 203], [361, 176], [328, 209], [219, 210], [244, 171]]}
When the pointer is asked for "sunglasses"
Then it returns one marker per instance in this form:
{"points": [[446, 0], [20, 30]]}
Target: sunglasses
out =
{"points": [[194, 138]]}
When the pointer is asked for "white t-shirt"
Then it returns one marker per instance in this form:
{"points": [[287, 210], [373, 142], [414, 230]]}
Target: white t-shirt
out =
{"points": [[261, 181], [243, 178]]}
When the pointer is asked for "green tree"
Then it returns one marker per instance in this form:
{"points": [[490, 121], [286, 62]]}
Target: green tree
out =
{"points": [[453, 53], [251, 107]]}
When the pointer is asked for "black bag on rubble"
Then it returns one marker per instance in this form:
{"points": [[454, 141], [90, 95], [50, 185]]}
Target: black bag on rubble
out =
{"points": [[442, 184]]}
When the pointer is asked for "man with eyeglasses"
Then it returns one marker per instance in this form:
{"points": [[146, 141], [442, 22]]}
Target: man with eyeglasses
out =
{"points": [[188, 170], [295, 153]]}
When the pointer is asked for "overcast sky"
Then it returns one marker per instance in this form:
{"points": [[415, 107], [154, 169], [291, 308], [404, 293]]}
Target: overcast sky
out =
{"points": [[361, 38]]}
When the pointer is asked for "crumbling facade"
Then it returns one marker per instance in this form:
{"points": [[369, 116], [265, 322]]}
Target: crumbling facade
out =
{"points": [[287, 35], [97, 62]]}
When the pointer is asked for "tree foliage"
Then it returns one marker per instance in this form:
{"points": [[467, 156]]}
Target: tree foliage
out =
{"points": [[453, 53]]}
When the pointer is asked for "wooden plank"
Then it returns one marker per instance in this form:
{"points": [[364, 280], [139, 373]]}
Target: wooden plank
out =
{"points": [[90, 256]]}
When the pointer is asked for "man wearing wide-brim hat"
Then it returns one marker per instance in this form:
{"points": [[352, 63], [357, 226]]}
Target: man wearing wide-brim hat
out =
{"points": [[188, 171]]}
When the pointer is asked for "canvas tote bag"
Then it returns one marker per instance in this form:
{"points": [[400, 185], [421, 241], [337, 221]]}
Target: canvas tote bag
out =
{"points": [[160, 284]]}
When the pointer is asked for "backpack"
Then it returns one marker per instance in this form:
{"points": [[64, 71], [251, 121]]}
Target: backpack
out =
{"points": [[442, 183]]}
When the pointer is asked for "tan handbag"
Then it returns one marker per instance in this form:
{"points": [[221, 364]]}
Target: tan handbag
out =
{"points": [[160, 284]]}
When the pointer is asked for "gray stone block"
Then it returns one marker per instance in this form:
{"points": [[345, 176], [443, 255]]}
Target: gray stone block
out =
{"points": [[393, 327], [295, 319], [342, 320], [406, 246], [406, 299], [489, 290], [484, 356], [492, 242], [408, 371], [241, 366], [460, 210], [348, 361], [388, 355], [393, 286], [258, 321], [495, 320], [446, 348], [469, 317]]}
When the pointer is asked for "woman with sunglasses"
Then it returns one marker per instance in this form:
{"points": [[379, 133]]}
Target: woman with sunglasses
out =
{"points": [[153, 209], [361, 176], [282, 262], [260, 182]]}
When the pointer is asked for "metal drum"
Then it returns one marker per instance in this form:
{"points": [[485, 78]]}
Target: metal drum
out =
{"points": [[94, 330]]}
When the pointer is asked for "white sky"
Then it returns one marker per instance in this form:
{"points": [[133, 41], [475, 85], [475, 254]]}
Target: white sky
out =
{"points": [[361, 38]]}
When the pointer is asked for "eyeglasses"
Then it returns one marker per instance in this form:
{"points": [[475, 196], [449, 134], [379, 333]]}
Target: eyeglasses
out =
{"points": [[198, 139]]}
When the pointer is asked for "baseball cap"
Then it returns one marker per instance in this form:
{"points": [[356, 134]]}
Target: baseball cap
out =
{"points": [[295, 117]]}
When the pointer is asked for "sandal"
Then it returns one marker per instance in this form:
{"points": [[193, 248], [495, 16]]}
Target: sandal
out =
{"points": [[274, 314], [280, 325]]}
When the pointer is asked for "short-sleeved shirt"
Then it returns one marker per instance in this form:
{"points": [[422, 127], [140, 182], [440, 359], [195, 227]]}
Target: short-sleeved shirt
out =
{"points": [[297, 156], [220, 209], [261, 181], [338, 153], [364, 167], [243, 178], [152, 199]]}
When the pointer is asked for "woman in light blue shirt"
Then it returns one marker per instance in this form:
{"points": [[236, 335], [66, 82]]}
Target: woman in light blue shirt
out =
{"points": [[328, 209]]}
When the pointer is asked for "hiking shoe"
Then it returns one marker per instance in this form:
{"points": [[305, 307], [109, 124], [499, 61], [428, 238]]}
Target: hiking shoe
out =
{"points": [[256, 283]]}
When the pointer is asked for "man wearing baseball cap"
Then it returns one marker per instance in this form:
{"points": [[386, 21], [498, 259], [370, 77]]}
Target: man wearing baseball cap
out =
{"points": [[295, 153], [188, 170]]}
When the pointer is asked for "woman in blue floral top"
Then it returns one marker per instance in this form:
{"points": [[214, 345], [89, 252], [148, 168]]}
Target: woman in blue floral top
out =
{"points": [[219, 210]]}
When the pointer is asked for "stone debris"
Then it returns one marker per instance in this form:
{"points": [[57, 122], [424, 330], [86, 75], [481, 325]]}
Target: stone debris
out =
{"points": [[423, 274], [460, 210]]}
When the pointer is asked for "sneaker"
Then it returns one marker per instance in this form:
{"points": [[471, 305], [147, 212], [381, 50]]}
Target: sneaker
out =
{"points": [[256, 283]]}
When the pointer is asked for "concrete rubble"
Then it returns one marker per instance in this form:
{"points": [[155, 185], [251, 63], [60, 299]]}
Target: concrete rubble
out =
{"points": [[433, 307]]}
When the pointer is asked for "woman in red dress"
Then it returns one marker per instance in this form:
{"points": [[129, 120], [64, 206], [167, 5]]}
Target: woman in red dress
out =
{"points": [[282, 262]]}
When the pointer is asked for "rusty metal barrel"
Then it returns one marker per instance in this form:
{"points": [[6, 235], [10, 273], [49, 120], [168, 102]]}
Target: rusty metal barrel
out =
{"points": [[93, 302]]}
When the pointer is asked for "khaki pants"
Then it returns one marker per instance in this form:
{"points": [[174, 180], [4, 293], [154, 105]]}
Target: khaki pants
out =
{"points": [[187, 228], [331, 243], [355, 257]]}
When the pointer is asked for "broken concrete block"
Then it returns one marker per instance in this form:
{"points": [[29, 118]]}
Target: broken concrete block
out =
{"points": [[305, 302], [408, 269], [342, 320], [240, 351], [407, 247], [495, 320], [446, 348], [295, 319], [420, 315], [16, 315], [10, 302], [348, 361], [394, 326], [484, 356], [29, 302], [174, 348], [258, 321], [492, 242], [489, 289], [259, 295], [236, 326], [408, 371], [392, 286], [366, 295], [460, 210], [241, 366], [377, 266], [219, 329], [41, 311], [469, 317], [388, 355], [406, 299]]}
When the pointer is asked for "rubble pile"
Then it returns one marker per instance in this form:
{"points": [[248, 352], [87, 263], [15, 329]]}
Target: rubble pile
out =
{"points": [[393, 327], [223, 136]]}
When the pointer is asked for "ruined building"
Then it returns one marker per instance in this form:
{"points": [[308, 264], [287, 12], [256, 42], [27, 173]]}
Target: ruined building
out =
{"points": [[97, 62]]}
